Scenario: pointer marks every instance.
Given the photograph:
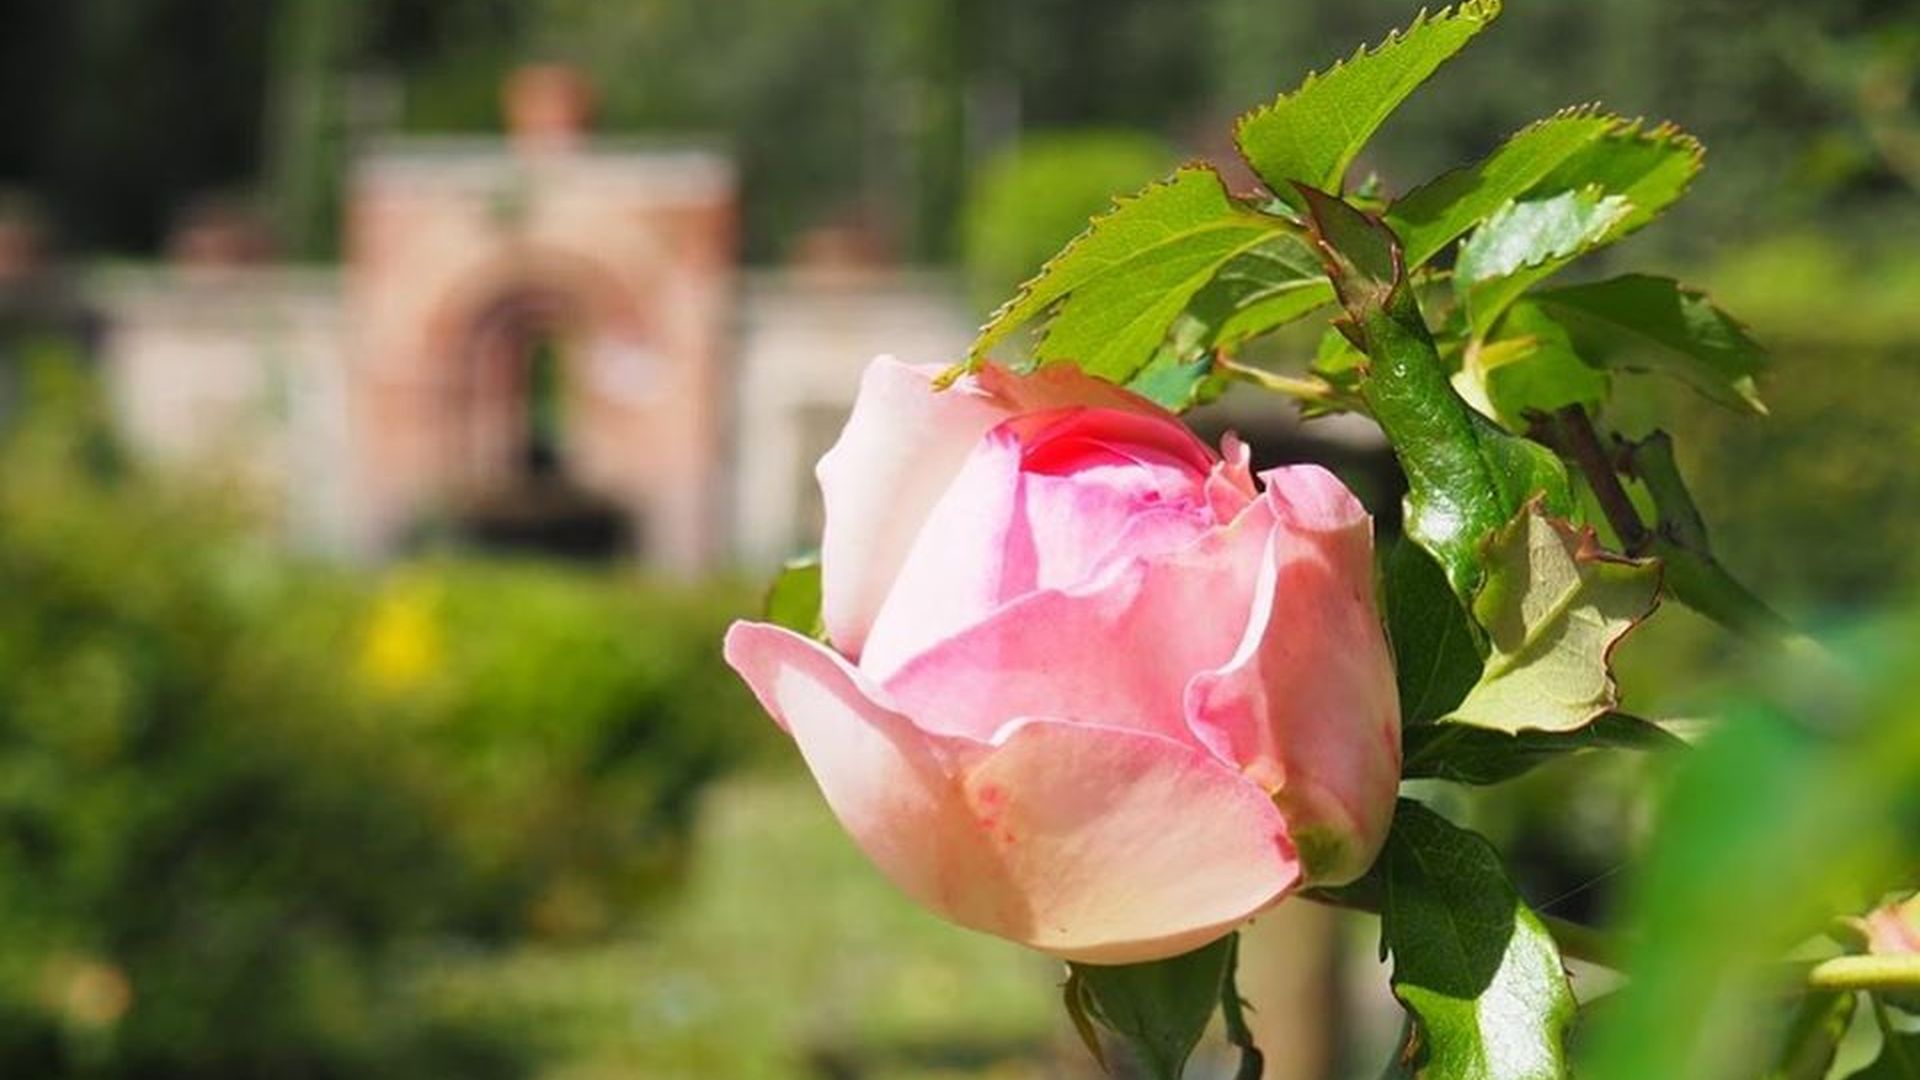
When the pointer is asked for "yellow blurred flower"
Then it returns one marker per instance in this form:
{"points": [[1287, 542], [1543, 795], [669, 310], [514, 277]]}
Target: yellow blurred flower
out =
{"points": [[402, 649]]}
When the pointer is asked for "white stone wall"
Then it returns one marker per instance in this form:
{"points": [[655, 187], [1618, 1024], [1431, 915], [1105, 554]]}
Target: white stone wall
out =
{"points": [[804, 338]]}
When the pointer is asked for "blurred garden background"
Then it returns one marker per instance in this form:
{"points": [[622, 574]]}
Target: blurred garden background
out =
{"points": [[398, 397]]}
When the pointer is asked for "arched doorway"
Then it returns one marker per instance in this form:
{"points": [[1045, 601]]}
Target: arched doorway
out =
{"points": [[513, 411]]}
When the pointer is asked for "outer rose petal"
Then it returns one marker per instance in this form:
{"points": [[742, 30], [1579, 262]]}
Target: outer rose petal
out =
{"points": [[1126, 846], [1088, 843], [971, 544], [901, 447], [885, 779], [1307, 703]]}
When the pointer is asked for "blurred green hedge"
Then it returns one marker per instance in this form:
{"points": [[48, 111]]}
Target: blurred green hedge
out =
{"points": [[243, 797]]}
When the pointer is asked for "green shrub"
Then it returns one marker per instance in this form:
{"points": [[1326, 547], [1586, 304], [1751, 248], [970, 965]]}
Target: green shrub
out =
{"points": [[243, 800]]}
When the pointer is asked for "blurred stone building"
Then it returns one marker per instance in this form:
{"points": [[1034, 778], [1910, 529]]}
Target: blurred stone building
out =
{"points": [[540, 341], [544, 341]]}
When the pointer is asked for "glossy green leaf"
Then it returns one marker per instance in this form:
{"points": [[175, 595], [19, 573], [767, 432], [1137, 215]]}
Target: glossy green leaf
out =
{"points": [[1435, 655], [1178, 377], [1160, 1008], [1641, 322], [793, 600], [1312, 134], [1473, 755], [1465, 477], [1526, 234], [1471, 962], [1554, 606], [1119, 286]]}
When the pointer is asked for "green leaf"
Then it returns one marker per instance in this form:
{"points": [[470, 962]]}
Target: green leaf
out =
{"points": [[1433, 215], [1472, 755], [1312, 134], [1800, 805], [1178, 378], [1530, 367], [1554, 605], [1648, 168], [1233, 1014], [1160, 1008], [1471, 962], [1253, 293], [1121, 284], [1341, 366], [1074, 995], [1268, 287], [793, 600], [1899, 1052], [1639, 322], [1436, 659], [1813, 1036], [1525, 234], [1465, 477], [1574, 150]]}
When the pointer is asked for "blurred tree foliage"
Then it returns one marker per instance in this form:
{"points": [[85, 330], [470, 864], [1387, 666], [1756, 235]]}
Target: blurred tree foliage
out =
{"points": [[244, 800], [123, 109]]}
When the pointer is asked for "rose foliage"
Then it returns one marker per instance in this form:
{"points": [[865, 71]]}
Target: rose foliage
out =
{"points": [[1070, 676]]}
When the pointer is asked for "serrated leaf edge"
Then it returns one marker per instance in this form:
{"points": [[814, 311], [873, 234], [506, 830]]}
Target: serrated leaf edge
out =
{"points": [[1537, 261], [1618, 127], [996, 328], [1481, 11]]}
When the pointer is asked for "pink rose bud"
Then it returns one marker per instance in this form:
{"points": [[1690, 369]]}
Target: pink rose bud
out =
{"points": [[1090, 688]]}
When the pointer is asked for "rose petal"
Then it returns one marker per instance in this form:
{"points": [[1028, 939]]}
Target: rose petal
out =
{"points": [[1089, 843], [1230, 483], [885, 780], [1126, 846], [972, 549], [1045, 500], [902, 445], [1307, 705], [1119, 652]]}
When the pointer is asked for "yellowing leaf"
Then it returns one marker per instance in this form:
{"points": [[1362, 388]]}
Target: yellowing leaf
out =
{"points": [[1554, 605]]}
